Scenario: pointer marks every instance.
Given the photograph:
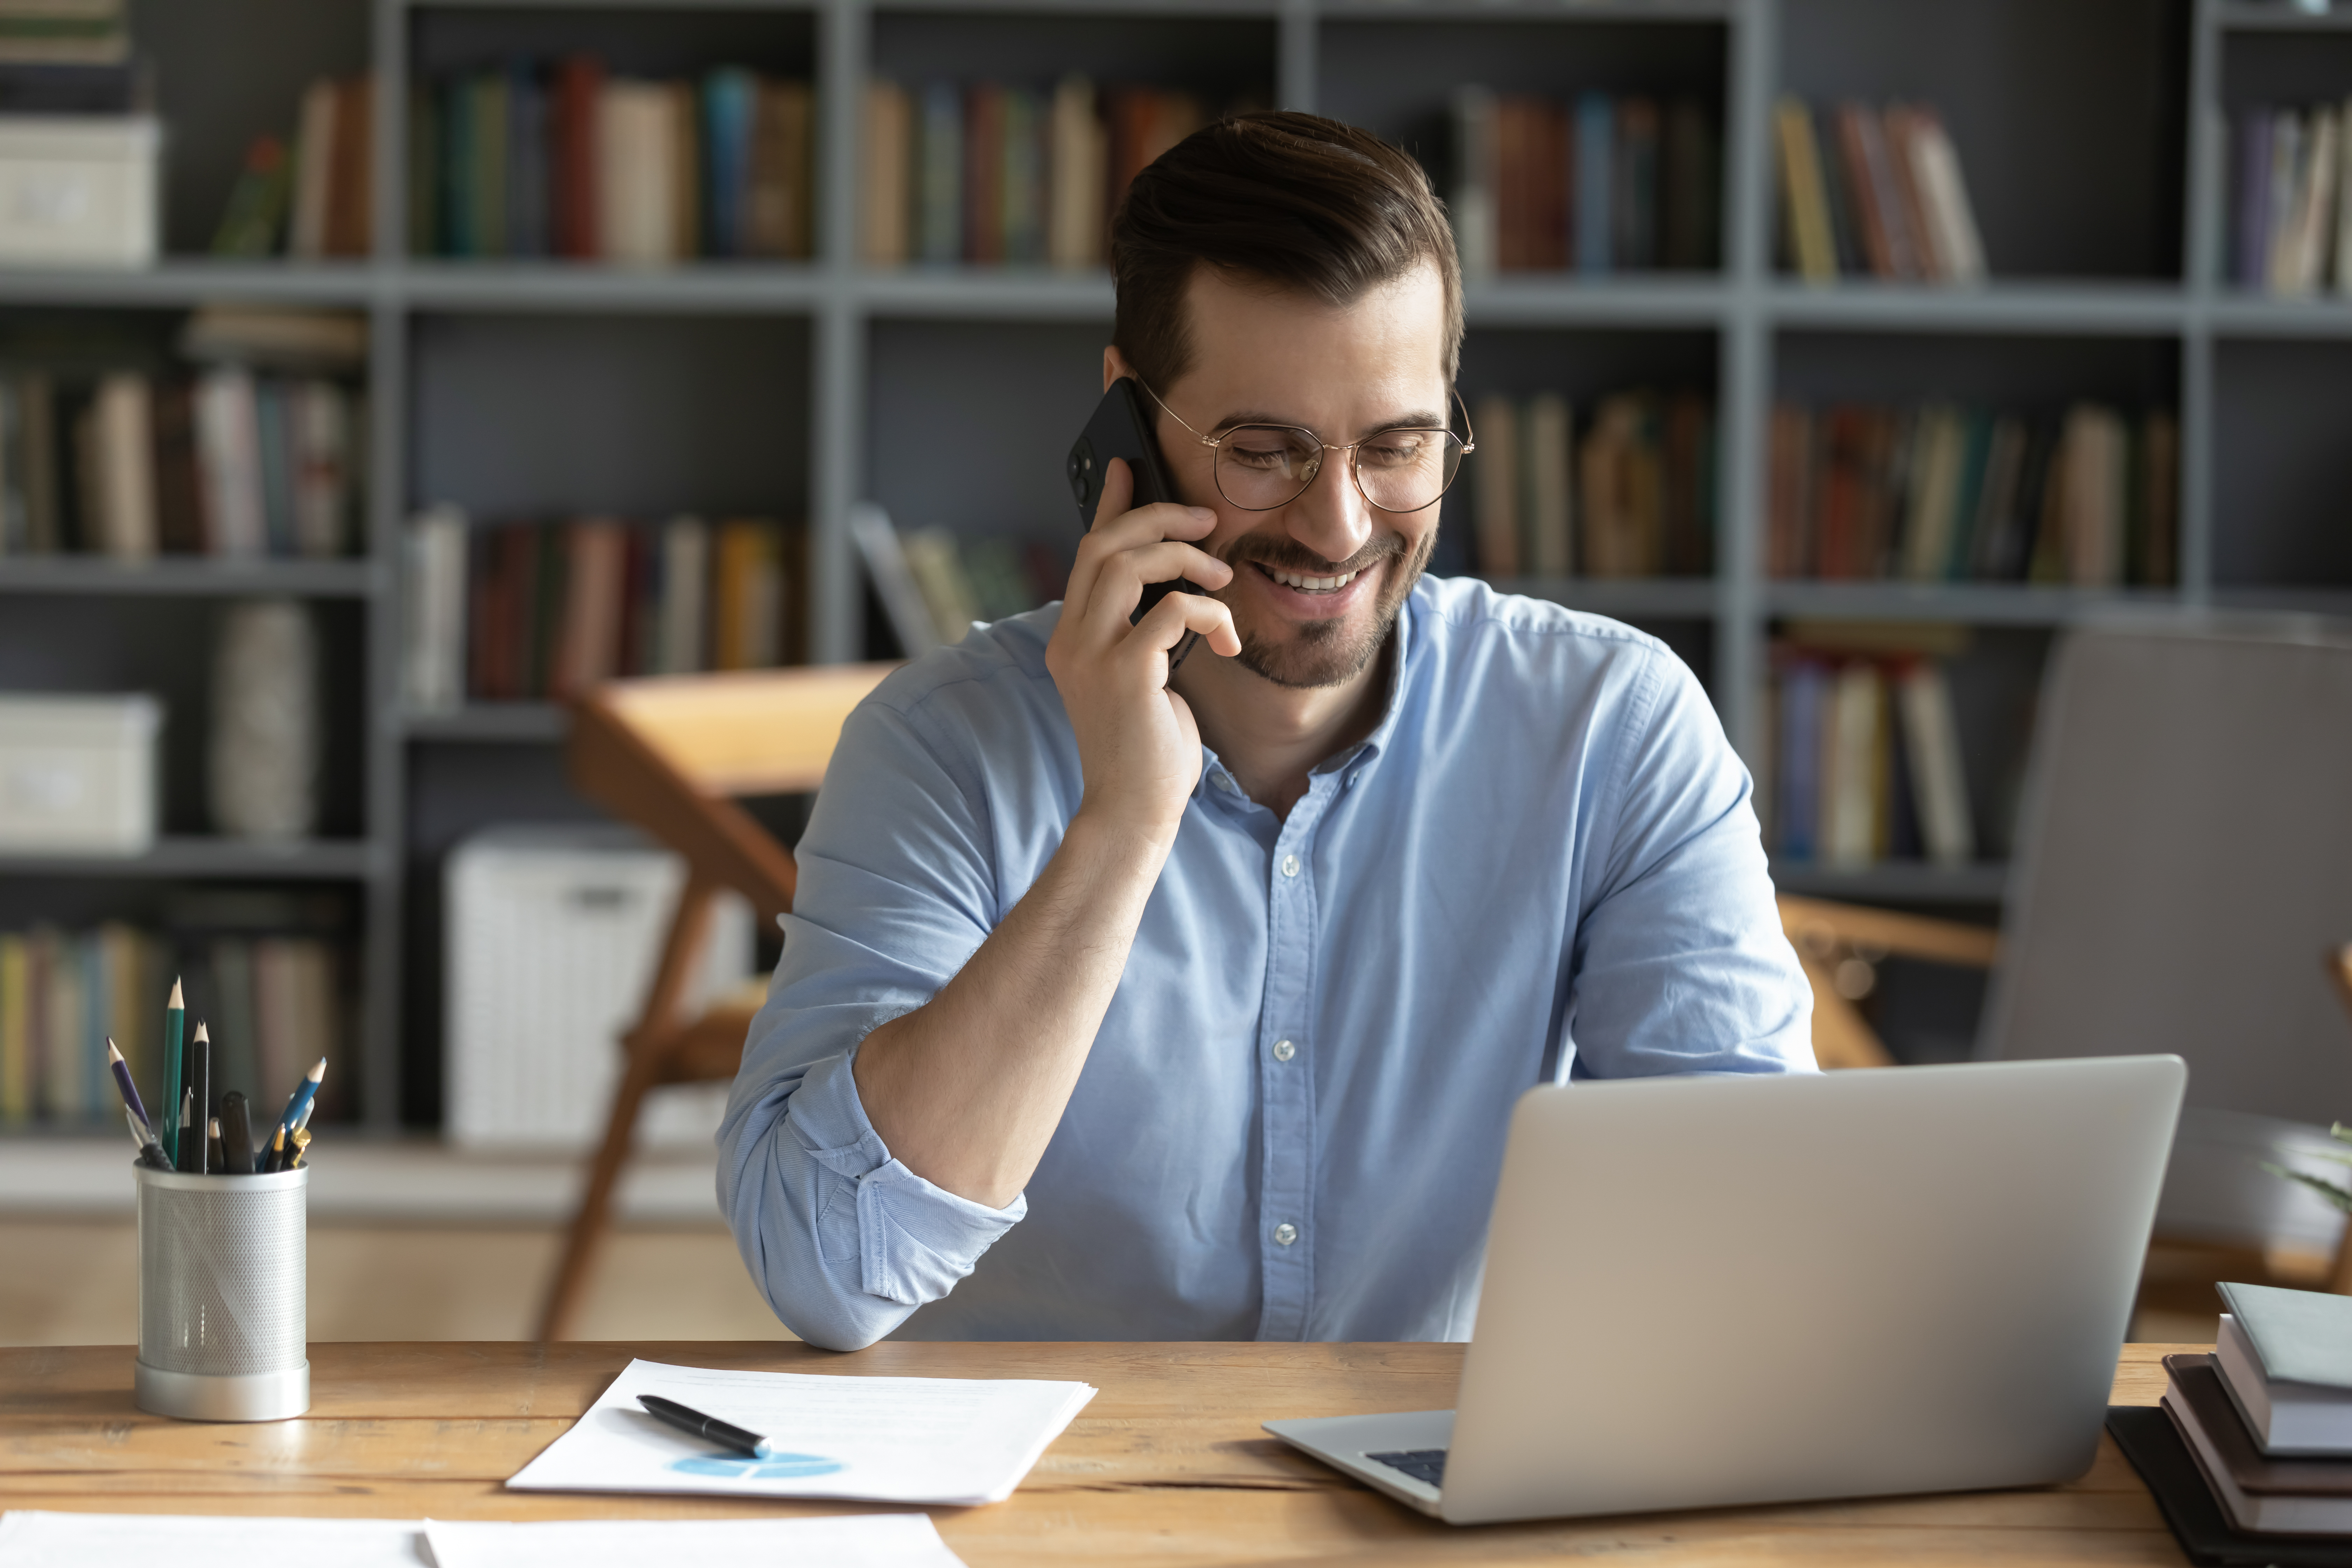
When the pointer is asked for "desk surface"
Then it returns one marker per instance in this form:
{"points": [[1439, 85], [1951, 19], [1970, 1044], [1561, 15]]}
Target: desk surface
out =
{"points": [[1166, 1466]]}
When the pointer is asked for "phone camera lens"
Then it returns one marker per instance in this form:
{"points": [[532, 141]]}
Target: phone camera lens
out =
{"points": [[1081, 470]]}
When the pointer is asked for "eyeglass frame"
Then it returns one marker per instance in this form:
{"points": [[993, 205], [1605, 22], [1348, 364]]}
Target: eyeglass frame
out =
{"points": [[1216, 442]]}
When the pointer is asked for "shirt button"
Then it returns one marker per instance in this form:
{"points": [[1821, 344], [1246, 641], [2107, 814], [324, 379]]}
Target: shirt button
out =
{"points": [[1290, 865], [1285, 1234], [1284, 1050]]}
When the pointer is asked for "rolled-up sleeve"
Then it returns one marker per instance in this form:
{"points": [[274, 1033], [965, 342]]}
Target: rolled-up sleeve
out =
{"points": [[897, 890], [1681, 965]]}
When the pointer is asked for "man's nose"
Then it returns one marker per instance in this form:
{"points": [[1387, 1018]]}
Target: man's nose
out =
{"points": [[1331, 517]]}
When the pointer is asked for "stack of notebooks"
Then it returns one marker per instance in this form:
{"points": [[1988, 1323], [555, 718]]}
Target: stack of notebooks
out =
{"points": [[2266, 1424]]}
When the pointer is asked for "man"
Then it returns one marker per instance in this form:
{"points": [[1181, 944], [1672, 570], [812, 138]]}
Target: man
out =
{"points": [[1119, 1004]]}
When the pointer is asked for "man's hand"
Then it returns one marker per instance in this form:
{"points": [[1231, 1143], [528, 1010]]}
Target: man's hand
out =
{"points": [[1138, 744]]}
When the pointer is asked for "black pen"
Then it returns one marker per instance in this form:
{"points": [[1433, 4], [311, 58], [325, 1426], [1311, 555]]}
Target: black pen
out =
{"points": [[237, 1135], [750, 1444]]}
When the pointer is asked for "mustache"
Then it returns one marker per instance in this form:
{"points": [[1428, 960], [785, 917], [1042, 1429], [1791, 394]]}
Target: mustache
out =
{"points": [[1272, 553]]}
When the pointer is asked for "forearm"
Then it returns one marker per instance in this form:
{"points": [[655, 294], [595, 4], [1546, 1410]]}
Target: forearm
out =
{"points": [[967, 1091]]}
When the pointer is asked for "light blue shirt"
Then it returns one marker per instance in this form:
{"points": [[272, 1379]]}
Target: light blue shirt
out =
{"points": [[1543, 864]]}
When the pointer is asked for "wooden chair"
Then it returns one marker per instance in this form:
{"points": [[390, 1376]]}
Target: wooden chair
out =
{"points": [[1840, 946], [668, 755]]}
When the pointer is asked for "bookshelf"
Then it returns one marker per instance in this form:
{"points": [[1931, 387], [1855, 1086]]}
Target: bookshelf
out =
{"points": [[2092, 137]]}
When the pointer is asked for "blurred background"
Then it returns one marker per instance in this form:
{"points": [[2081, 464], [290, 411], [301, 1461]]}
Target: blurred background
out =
{"points": [[378, 376]]}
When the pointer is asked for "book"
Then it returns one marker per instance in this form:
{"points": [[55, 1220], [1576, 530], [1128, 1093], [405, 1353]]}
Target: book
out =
{"points": [[1947, 491], [1940, 786], [2150, 1440], [781, 200], [1078, 164], [932, 561], [1473, 202], [981, 203], [433, 601], [1496, 487], [228, 451], [635, 217], [588, 645], [2297, 1336], [1546, 447], [1947, 219], [939, 176], [1633, 185], [118, 467], [350, 227], [1596, 196], [1853, 787], [2285, 1415], [314, 164], [1021, 183], [903, 603], [2259, 1494], [886, 227], [1805, 218], [748, 597]]}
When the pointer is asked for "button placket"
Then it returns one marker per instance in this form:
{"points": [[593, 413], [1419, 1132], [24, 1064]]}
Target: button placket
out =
{"points": [[1287, 1091]]}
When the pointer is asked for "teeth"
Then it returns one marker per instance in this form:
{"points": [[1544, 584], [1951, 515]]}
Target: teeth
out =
{"points": [[1310, 584]]}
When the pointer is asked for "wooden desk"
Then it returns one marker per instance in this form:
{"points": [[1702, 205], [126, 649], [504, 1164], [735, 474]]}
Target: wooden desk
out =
{"points": [[1167, 1466]]}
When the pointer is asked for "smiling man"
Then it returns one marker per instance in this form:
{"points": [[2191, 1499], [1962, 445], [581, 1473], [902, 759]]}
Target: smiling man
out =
{"points": [[1124, 1005]]}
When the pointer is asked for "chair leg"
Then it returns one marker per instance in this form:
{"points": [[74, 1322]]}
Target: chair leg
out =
{"points": [[1843, 1037], [586, 1236], [648, 1045]]}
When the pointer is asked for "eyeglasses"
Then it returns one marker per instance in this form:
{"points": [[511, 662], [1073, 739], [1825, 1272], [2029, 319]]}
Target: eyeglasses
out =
{"points": [[1261, 466]]}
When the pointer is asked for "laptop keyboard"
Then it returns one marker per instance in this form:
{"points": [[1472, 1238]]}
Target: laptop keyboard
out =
{"points": [[1421, 1464]]}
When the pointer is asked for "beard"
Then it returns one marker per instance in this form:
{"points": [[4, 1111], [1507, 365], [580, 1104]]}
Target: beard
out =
{"points": [[1330, 652]]}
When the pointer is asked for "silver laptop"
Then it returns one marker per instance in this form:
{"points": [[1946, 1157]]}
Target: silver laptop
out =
{"points": [[1703, 1291]]}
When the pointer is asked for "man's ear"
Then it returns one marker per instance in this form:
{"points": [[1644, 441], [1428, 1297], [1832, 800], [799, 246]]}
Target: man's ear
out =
{"points": [[1114, 365]]}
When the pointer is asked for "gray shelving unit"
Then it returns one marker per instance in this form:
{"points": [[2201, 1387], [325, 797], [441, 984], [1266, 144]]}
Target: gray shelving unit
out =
{"points": [[2093, 144]]}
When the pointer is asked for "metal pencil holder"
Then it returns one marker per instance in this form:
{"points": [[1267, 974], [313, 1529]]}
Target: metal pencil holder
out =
{"points": [[223, 1322]]}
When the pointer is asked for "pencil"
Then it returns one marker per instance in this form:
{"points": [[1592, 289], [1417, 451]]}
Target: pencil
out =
{"points": [[122, 1070], [187, 1140], [216, 1157], [176, 1029], [200, 1079], [274, 1160], [306, 1093]]}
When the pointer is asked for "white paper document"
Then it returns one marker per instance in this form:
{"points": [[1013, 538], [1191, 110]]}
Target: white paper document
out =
{"points": [[30, 1540], [878, 1440], [856, 1540]]}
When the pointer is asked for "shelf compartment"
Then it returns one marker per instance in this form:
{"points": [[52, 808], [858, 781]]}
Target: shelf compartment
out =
{"points": [[186, 577], [2070, 122], [2281, 463], [197, 856], [542, 416]]}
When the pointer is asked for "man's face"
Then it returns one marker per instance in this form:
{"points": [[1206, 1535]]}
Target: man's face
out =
{"points": [[1266, 357]]}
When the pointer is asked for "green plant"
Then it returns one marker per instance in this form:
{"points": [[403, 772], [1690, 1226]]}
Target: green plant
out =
{"points": [[2340, 1197]]}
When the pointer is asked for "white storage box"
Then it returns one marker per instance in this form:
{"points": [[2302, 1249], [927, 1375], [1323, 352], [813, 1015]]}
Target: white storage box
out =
{"points": [[552, 938], [77, 774], [79, 190]]}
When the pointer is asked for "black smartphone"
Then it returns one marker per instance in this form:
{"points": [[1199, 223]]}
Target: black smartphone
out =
{"points": [[1121, 427]]}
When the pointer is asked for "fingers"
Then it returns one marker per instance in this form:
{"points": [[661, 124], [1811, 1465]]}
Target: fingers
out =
{"points": [[1118, 528], [1179, 615], [1119, 582]]}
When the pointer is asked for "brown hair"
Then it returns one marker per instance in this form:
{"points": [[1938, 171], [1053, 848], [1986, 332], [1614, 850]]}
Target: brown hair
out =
{"points": [[1296, 200]]}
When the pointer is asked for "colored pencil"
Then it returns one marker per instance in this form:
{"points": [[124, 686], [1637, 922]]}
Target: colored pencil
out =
{"points": [[122, 1070], [176, 1029]]}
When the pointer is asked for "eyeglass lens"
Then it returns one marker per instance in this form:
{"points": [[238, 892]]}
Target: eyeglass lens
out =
{"points": [[1261, 466]]}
